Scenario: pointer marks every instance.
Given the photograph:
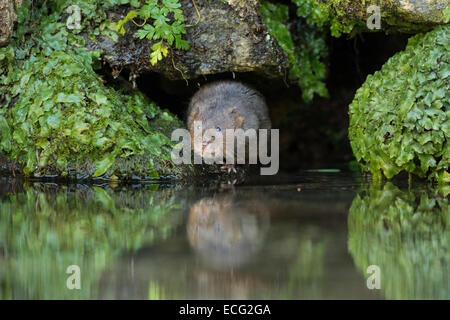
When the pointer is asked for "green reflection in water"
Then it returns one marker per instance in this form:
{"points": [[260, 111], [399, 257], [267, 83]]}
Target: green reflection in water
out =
{"points": [[407, 234], [45, 229], [307, 272]]}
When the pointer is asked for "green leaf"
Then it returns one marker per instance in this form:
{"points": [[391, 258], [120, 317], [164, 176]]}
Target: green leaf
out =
{"points": [[101, 99], [120, 25], [159, 49], [54, 120], [68, 98], [102, 166]]}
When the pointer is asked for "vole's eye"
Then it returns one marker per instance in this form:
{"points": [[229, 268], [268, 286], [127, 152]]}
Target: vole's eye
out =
{"points": [[218, 129]]}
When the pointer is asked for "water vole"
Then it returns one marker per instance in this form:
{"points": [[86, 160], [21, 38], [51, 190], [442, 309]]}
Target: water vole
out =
{"points": [[225, 105]]}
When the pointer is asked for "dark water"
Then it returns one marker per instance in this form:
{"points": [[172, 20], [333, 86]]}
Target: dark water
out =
{"points": [[310, 236]]}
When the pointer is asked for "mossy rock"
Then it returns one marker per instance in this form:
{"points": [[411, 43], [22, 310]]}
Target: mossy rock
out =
{"points": [[407, 235], [58, 118], [399, 119], [221, 38], [351, 16]]}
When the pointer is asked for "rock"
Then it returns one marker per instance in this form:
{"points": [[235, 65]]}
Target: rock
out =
{"points": [[422, 11], [244, 7], [344, 16], [7, 18], [227, 38]]}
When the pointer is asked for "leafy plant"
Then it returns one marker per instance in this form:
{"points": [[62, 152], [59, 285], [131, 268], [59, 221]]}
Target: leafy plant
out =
{"points": [[399, 119], [328, 13], [158, 25], [446, 13], [58, 118], [305, 56]]}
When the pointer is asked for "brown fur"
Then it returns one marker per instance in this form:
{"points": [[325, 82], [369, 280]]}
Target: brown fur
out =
{"points": [[228, 105]]}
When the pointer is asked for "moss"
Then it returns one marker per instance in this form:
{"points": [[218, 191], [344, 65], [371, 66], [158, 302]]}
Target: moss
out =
{"points": [[88, 227], [399, 119], [57, 116], [338, 15], [305, 55], [349, 16], [447, 15], [406, 234]]}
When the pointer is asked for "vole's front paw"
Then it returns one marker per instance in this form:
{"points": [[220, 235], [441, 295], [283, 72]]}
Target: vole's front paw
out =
{"points": [[228, 167]]}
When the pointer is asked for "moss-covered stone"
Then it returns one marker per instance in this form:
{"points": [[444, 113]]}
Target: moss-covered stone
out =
{"points": [[244, 7], [400, 117], [346, 16], [222, 38], [405, 234], [57, 117]]}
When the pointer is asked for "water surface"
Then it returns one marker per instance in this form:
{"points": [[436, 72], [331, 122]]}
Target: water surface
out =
{"points": [[307, 236]]}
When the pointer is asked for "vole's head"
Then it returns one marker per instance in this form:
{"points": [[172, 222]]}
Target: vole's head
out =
{"points": [[220, 106], [215, 118], [218, 117]]}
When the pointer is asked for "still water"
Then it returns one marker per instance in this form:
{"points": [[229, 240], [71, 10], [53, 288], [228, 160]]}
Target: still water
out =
{"points": [[310, 236]]}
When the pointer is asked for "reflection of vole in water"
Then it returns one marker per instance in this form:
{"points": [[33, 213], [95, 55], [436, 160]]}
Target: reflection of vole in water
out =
{"points": [[225, 233], [225, 105]]}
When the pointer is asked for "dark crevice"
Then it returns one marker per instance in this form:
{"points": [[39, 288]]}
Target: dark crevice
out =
{"points": [[313, 135]]}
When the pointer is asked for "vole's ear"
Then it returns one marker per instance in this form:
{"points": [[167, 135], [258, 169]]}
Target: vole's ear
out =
{"points": [[236, 116], [192, 117], [194, 114]]}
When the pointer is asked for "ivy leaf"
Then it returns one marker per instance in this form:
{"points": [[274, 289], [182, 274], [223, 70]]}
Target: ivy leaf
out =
{"points": [[103, 165], [135, 3], [54, 120], [20, 135], [5, 136], [101, 99], [68, 98]]}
